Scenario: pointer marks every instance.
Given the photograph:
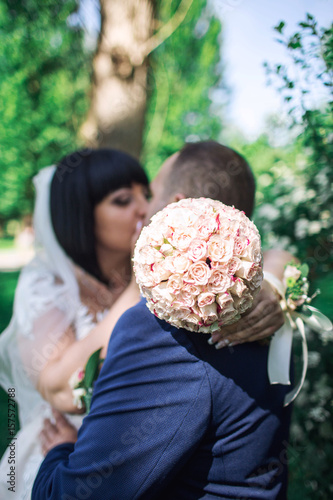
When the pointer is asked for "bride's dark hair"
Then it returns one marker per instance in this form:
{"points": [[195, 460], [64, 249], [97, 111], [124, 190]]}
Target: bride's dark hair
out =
{"points": [[81, 180]]}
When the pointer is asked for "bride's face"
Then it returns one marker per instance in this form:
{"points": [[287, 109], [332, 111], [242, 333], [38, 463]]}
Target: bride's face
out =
{"points": [[117, 215]]}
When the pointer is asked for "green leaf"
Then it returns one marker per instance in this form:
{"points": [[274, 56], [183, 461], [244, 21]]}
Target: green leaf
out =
{"points": [[280, 27], [304, 268], [87, 401], [92, 368], [304, 25]]}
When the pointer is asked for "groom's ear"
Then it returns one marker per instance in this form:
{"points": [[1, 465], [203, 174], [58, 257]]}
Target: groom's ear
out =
{"points": [[177, 197]]}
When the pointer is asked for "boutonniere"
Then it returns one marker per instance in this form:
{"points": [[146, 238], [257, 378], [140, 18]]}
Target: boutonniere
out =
{"points": [[83, 379]]}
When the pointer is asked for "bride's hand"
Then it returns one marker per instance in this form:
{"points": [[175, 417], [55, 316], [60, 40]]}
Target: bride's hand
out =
{"points": [[263, 320], [59, 432]]}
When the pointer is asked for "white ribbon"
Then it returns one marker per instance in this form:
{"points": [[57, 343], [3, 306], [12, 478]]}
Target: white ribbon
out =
{"points": [[280, 346]]}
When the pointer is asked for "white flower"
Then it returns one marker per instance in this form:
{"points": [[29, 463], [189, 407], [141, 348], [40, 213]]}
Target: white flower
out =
{"points": [[76, 378], [78, 394], [291, 272]]}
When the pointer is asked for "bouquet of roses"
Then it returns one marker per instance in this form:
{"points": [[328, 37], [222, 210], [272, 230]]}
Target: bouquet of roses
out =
{"points": [[199, 264]]}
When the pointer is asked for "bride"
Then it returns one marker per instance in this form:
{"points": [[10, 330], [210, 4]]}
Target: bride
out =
{"points": [[86, 213]]}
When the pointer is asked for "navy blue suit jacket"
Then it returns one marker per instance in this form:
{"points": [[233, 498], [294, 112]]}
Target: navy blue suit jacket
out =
{"points": [[174, 418]]}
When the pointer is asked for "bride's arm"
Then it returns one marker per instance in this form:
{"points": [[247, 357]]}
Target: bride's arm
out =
{"points": [[53, 379]]}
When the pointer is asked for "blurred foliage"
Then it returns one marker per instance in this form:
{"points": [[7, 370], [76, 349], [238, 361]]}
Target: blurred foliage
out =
{"points": [[294, 211], [8, 283], [302, 193], [184, 72], [45, 76]]}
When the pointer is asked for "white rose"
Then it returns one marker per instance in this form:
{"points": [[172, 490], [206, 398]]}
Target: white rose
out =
{"points": [[209, 313], [182, 237], [180, 217], [243, 303], [160, 272], [184, 299], [166, 249], [225, 304], [253, 251], [175, 283], [256, 280], [247, 270], [238, 287], [161, 293], [291, 272], [180, 264], [149, 255]]}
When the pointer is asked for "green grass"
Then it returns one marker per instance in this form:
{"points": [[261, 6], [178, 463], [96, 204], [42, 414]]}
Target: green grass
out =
{"points": [[6, 243], [7, 289]]}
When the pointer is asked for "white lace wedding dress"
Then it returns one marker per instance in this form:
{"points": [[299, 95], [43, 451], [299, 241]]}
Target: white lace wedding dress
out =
{"points": [[48, 301]]}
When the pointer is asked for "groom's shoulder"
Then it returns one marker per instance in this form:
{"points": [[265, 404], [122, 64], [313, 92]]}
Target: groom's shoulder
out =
{"points": [[137, 318], [141, 327], [140, 310]]}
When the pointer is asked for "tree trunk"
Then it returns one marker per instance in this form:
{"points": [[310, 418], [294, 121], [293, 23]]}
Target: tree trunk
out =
{"points": [[118, 103]]}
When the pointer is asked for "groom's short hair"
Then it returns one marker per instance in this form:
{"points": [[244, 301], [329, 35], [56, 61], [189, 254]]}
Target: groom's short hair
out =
{"points": [[212, 170]]}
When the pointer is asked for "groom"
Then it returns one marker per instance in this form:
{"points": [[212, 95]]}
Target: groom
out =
{"points": [[172, 417]]}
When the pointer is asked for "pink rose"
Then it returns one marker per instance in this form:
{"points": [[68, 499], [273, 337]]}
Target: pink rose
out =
{"points": [[198, 273], [240, 245], [219, 281], [219, 249], [233, 265], [206, 226], [206, 298], [192, 289], [197, 250]]}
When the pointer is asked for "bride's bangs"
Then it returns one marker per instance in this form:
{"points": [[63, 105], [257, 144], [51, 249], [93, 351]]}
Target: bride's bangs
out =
{"points": [[111, 170]]}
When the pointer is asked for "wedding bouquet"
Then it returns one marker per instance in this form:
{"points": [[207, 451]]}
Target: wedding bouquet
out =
{"points": [[199, 264]]}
